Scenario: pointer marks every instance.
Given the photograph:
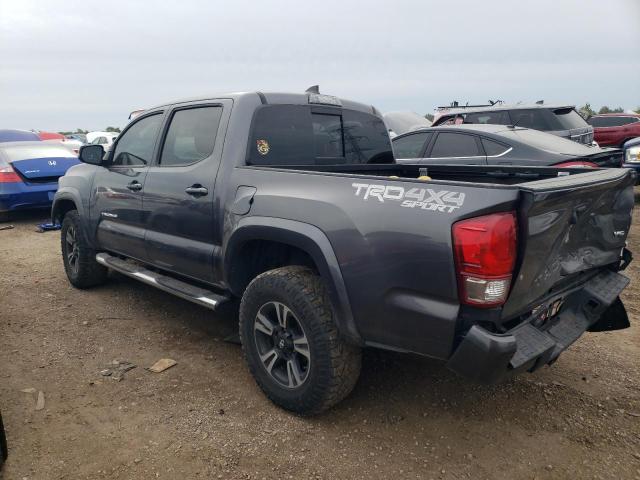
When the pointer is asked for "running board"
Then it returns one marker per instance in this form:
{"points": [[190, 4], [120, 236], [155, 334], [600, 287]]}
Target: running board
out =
{"points": [[181, 289]]}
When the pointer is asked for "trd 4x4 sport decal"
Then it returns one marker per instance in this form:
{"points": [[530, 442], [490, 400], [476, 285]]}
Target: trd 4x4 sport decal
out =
{"points": [[423, 198]]}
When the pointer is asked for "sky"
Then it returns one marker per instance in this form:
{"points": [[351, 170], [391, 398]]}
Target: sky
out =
{"points": [[67, 64]]}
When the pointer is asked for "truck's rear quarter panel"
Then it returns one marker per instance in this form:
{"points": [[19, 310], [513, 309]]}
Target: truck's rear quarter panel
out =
{"points": [[396, 260]]}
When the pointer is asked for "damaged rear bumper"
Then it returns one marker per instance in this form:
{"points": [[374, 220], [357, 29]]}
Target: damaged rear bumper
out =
{"points": [[488, 357]]}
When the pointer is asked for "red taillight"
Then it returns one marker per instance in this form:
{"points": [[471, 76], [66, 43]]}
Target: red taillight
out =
{"points": [[485, 251], [8, 175], [576, 164]]}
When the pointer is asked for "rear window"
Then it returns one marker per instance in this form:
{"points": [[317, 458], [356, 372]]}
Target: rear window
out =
{"points": [[569, 118], [537, 119], [312, 135], [28, 152]]}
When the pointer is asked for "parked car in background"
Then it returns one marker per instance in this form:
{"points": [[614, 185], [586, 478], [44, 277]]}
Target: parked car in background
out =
{"points": [[614, 129], [72, 144], [330, 245], [50, 136], [29, 173], [8, 135], [403, 122], [561, 120], [81, 137], [102, 138], [498, 145]]}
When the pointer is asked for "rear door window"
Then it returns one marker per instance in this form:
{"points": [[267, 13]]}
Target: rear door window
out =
{"points": [[191, 136], [455, 145], [412, 145]]}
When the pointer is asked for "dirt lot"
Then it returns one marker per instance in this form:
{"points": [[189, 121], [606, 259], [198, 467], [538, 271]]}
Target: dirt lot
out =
{"points": [[205, 418]]}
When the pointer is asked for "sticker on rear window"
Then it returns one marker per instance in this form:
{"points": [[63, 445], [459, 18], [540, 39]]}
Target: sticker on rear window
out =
{"points": [[263, 147]]}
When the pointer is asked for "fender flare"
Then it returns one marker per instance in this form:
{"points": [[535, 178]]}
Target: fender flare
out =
{"points": [[66, 194], [314, 242]]}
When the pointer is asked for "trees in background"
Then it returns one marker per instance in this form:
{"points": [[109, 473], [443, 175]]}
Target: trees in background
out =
{"points": [[606, 109], [586, 111]]}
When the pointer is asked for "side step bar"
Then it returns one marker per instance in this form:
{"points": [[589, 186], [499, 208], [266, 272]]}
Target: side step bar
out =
{"points": [[181, 289]]}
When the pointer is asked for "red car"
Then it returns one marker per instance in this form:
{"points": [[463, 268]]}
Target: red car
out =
{"points": [[613, 129]]}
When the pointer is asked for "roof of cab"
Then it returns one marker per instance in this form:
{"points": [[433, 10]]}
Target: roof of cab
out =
{"points": [[271, 98]]}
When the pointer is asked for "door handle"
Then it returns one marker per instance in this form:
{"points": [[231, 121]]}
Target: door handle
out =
{"points": [[135, 186], [197, 190]]}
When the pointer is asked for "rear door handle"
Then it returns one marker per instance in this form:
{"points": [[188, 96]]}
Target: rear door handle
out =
{"points": [[135, 186], [197, 190]]}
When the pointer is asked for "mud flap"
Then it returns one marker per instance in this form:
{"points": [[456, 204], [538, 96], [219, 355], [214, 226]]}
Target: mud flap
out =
{"points": [[614, 318]]}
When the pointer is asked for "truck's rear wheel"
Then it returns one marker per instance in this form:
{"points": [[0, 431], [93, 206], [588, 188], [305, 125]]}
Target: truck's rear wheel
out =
{"points": [[291, 342], [79, 258]]}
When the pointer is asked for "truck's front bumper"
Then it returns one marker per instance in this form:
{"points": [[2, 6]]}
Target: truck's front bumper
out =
{"points": [[488, 357]]}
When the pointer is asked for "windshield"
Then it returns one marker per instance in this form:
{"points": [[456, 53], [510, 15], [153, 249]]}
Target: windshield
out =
{"points": [[27, 152]]}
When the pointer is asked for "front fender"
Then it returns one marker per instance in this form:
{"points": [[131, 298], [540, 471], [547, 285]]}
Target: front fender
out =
{"points": [[62, 196], [308, 238]]}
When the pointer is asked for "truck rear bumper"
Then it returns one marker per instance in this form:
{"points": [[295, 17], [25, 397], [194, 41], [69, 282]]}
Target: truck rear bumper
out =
{"points": [[488, 357]]}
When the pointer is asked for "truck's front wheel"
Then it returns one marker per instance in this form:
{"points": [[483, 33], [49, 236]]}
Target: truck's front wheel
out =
{"points": [[79, 258], [291, 342]]}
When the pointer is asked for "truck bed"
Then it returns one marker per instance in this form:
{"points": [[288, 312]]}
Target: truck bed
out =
{"points": [[478, 174]]}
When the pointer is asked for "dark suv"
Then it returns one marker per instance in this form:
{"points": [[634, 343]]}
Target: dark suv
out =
{"points": [[561, 120]]}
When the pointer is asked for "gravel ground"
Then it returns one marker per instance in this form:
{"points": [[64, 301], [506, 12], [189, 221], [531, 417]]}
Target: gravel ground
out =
{"points": [[205, 417]]}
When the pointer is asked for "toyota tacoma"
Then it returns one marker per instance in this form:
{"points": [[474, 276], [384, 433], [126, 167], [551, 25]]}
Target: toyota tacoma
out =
{"points": [[294, 205]]}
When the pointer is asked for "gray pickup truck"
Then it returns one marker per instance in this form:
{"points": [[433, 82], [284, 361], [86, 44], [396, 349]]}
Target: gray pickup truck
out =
{"points": [[294, 205]]}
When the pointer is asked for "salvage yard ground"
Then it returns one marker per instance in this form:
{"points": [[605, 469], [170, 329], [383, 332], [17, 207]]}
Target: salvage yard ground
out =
{"points": [[205, 417]]}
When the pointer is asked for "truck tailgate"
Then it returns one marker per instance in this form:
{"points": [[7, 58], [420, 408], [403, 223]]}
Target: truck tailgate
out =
{"points": [[569, 227]]}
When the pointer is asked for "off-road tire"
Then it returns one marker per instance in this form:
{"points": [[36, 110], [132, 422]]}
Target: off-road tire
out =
{"points": [[334, 364], [88, 273]]}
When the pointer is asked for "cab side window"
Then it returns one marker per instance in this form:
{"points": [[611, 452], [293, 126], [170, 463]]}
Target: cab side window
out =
{"points": [[135, 146]]}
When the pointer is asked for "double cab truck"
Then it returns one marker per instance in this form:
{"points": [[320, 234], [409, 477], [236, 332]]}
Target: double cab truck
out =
{"points": [[292, 205]]}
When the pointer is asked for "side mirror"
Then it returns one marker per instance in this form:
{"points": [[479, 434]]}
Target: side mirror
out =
{"points": [[92, 154]]}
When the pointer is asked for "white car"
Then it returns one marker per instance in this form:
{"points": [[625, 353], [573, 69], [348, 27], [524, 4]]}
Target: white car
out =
{"points": [[72, 144], [105, 139]]}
